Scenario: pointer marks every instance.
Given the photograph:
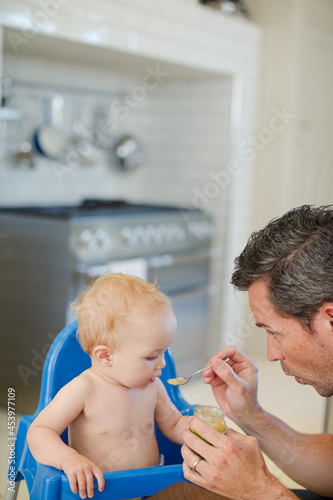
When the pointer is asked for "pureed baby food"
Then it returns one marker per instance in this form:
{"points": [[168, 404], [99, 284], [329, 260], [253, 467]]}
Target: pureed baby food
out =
{"points": [[212, 416]]}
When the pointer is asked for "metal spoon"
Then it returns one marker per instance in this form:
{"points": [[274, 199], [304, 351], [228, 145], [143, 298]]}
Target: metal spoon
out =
{"points": [[184, 380]]}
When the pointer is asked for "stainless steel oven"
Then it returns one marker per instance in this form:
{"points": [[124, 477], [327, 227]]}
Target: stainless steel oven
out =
{"points": [[50, 253]]}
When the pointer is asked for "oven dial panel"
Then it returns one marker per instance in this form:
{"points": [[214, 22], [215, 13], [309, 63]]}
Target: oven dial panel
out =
{"points": [[153, 235], [91, 242], [201, 230], [122, 238]]}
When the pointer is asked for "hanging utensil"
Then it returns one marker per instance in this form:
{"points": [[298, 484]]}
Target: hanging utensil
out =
{"points": [[130, 153], [48, 138], [23, 156]]}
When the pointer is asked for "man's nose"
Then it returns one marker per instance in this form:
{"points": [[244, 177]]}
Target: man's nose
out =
{"points": [[273, 351]]}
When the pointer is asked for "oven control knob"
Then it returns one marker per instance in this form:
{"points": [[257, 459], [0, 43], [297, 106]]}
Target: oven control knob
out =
{"points": [[172, 232], [126, 234], [103, 239], [192, 229], [138, 233], [181, 234], [148, 235], [134, 237], [195, 229], [86, 240], [206, 230], [160, 233], [199, 229], [129, 236]]}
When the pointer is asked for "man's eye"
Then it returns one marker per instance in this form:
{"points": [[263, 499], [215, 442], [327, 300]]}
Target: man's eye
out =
{"points": [[272, 333]]}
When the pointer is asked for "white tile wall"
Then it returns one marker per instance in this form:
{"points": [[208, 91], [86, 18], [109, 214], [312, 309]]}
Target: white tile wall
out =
{"points": [[184, 123]]}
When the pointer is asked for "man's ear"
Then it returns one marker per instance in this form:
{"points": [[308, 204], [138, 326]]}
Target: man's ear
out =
{"points": [[328, 312], [103, 354]]}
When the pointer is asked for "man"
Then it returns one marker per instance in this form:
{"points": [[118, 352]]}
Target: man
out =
{"points": [[287, 269]]}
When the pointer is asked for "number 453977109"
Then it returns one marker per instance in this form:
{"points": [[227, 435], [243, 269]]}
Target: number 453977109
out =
{"points": [[11, 411]]}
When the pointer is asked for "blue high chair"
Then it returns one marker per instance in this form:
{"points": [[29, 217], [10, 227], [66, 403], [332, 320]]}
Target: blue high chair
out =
{"points": [[65, 360]]}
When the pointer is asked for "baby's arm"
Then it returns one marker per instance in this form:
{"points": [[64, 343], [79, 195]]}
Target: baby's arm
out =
{"points": [[168, 418], [48, 448]]}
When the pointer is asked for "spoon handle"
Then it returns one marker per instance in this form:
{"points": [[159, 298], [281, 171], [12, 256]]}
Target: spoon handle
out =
{"points": [[206, 368], [202, 369]]}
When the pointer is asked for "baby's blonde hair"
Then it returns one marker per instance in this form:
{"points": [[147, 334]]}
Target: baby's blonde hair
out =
{"points": [[103, 306]]}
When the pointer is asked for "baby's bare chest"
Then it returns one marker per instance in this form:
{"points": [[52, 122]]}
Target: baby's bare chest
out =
{"points": [[118, 413], [116, 429]]}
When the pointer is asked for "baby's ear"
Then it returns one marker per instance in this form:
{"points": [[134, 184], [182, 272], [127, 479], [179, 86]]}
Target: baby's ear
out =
{"points": [[103, 354]]}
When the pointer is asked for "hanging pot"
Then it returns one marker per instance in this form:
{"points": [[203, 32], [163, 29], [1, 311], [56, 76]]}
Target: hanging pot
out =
{"points": [[48, 141], [130, 153], [48, 138]]}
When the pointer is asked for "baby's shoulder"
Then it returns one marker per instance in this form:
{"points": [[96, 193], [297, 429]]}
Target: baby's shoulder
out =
{"points": [[82, 382], [159, 388], [74, 392], [86, 378]]}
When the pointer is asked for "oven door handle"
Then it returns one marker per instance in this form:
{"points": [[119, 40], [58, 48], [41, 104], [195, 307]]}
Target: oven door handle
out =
{"points": [[168, 260], [179, 295], [92, 271], [137, 266], [165, 260]]}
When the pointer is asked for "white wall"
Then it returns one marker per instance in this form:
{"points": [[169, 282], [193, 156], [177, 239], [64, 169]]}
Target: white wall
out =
{"points": [[295, 164]]}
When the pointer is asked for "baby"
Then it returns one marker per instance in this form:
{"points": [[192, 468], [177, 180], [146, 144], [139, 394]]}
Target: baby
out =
{"points": [[125, 324]]}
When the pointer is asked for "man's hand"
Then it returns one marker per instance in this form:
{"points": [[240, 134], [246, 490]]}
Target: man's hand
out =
{"points": [[233, 467], [234, 384], [81, 472]]}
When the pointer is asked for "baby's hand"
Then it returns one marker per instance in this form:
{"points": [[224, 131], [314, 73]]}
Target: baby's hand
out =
{"points": [[80, 472]]}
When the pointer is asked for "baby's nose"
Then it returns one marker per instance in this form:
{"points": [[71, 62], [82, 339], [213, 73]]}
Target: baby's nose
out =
{"points": [[161, 363]]}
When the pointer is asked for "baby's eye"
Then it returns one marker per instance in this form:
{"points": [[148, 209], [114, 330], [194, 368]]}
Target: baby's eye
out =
{"points": [[151, 358]]}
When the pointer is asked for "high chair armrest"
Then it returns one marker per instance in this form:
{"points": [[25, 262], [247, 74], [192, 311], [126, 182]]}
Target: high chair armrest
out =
{"points": [[52, 484]]}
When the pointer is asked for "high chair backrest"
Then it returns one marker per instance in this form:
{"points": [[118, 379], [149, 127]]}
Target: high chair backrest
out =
{"points": [[65, 360]]}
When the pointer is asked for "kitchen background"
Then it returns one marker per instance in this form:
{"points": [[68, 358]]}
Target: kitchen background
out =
{"points": [[233, 113]]}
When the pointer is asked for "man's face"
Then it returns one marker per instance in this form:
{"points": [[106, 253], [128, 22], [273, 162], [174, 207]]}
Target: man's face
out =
{"points": [[306, 356]]}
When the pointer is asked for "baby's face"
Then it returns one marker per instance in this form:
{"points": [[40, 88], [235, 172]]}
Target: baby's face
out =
{"points": [[140, 358]]}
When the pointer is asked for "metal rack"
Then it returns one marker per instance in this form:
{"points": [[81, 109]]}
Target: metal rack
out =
{"points": [[11, 114], [28, 105], [12, 83]]}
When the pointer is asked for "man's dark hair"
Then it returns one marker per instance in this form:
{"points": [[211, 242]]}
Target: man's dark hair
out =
{"points": [[294, 254]]}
